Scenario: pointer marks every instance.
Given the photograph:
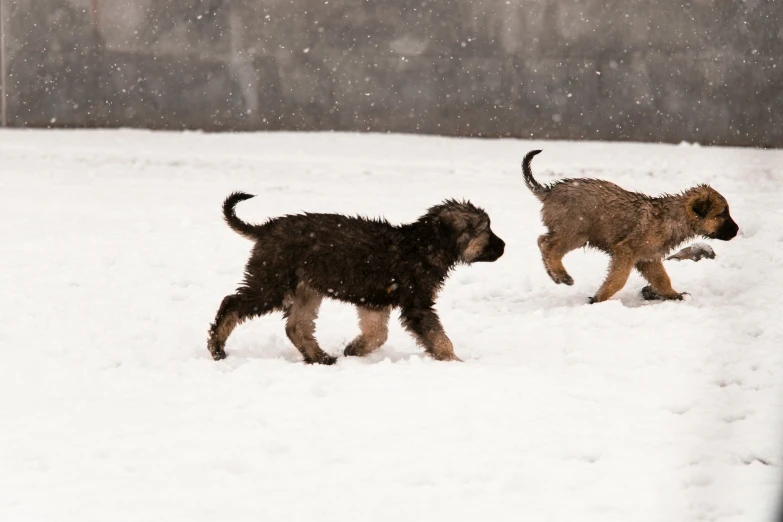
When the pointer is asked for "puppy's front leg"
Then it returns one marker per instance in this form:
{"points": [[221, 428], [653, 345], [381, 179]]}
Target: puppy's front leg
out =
{"points": [[660, 284], [424, 324]]}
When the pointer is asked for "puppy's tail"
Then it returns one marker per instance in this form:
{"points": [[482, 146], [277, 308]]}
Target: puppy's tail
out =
{"points": [[239, 226], [534, 186]]}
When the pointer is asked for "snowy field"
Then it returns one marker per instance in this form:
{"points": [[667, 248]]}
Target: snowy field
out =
{"points": [[115, 258]]}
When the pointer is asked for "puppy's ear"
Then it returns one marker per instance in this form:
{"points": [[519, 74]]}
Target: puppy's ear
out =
{"points": [[454, 220], [701, 205]]}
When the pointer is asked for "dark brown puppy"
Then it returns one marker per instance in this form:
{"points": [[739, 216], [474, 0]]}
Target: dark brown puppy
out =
{"points": [[634, 229], [297, 260]]}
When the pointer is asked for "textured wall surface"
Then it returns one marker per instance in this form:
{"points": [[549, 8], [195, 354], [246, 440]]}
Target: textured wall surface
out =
{"points": [[709, 71]]}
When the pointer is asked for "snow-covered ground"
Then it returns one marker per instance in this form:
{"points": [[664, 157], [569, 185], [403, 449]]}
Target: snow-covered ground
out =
{"points": [[115, 258]]}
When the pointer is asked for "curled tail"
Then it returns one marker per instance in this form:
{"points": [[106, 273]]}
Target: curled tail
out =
{"points": [[239, 226], [534, 186]]}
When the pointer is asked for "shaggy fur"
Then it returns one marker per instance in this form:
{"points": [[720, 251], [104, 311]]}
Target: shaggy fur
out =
{"points": [[298, 260], [636, 230]]}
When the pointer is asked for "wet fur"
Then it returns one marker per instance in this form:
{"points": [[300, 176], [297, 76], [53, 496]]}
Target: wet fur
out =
{"points": [[300, 259], [636, 230]]}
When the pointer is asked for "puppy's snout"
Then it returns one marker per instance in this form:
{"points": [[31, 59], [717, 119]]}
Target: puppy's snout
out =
{"points": [[499, 244], [495, 248], [729, 230]]}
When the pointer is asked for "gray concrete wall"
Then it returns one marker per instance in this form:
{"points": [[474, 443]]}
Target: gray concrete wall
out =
{"points": [[709, 71]]}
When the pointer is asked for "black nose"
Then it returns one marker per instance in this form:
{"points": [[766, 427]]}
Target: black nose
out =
{"points": [[728, 231], [494, 249], [497, 245]]}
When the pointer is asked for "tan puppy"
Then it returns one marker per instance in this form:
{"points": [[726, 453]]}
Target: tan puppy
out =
{"points": [[636, 230]]}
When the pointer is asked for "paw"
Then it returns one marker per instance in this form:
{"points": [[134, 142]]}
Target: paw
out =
{"points": [[355, 350], [446, 357], [648, 294], [325, 359], [328, 360], [217, 353], [651, 295], [592, 300], [561, 278]]}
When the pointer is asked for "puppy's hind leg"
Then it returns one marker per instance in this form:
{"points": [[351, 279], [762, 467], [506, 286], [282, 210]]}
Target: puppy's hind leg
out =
{"points": [[234, 310], [553, 247], [374, 325], [660, 285], [300, 312]]}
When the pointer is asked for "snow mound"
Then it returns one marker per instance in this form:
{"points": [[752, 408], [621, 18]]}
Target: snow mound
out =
{"points": [[695, 252]]}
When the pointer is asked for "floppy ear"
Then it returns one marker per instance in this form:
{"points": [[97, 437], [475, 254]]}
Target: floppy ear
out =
{"points": [[454, 220], [701, 206]]}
